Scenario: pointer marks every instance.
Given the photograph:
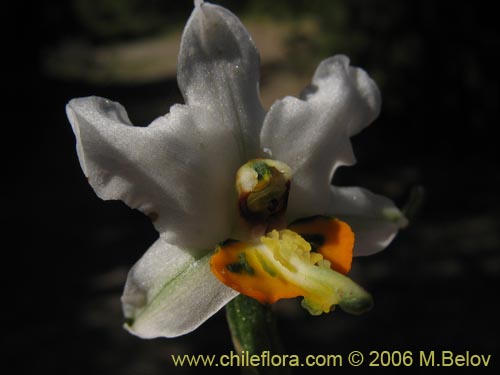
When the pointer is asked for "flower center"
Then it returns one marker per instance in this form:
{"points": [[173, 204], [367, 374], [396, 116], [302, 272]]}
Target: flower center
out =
{"points": [[269, 262], [262, 186]]}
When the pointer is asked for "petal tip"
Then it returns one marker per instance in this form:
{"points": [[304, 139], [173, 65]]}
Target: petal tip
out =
{"points": [[393, 214], [213, 33], [129, 327]]}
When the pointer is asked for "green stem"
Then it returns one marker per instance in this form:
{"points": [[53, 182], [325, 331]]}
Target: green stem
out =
{"points": [[253, 330]]}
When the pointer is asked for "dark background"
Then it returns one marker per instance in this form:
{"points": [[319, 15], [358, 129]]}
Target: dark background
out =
{"points": [[66, 253]]}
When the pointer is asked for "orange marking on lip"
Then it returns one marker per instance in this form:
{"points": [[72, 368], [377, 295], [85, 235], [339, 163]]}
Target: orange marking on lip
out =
{"points": [[237, 265], [330, 237]]}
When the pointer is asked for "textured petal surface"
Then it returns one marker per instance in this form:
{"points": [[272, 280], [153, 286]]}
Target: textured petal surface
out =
{"points": [[219, 69], [374, 219], [179, 170], [312, 134], [170, 293]]}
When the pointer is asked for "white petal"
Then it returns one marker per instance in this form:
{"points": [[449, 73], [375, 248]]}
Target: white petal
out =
{"points": [[169, 293], [353, 94], [312, 135], [374, 219], [179, 170], [219, 68]]}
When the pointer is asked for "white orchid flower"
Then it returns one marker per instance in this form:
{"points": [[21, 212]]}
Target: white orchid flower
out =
{"points": [[181, 170]]}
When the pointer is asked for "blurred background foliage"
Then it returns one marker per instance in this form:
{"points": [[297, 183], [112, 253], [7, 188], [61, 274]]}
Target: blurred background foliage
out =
{"points": [[415, 43], [436, 65]]}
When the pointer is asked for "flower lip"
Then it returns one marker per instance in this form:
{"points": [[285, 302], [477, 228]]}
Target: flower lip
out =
{"points": [[283, 265]]}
